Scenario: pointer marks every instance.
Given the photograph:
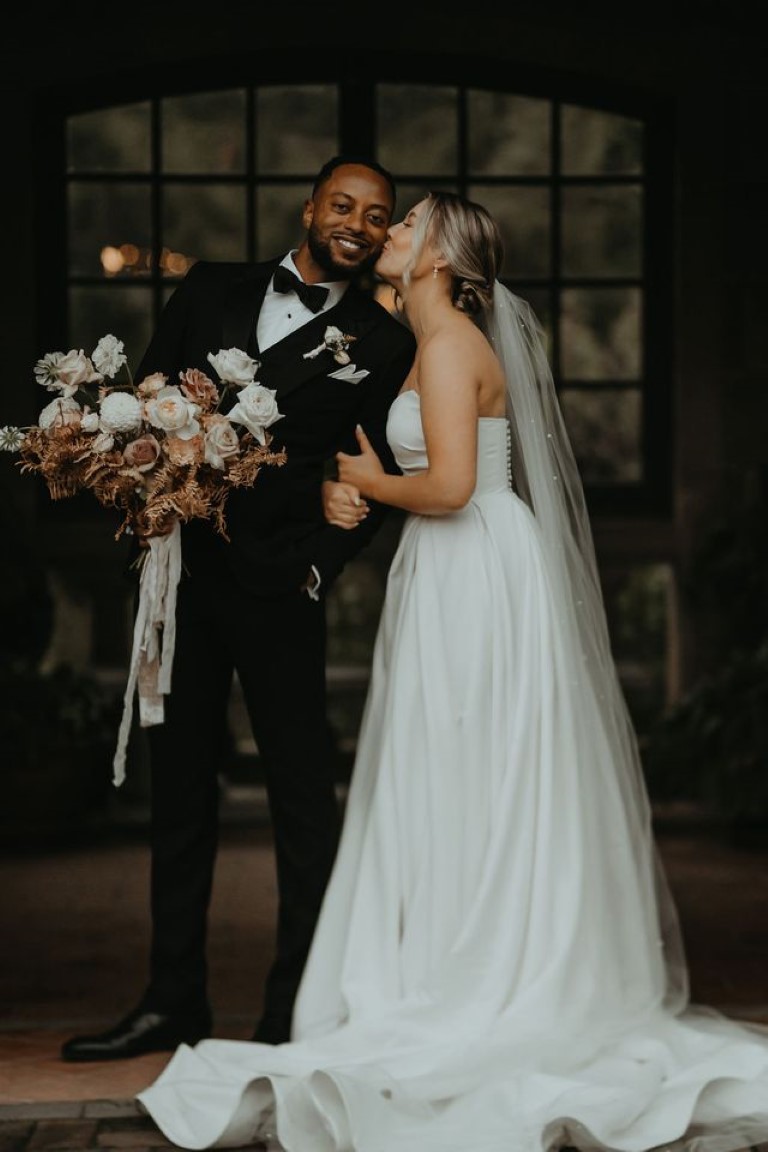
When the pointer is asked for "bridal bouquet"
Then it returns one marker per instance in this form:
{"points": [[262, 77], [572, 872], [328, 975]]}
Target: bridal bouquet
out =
{"points": [[163, 453], [160, 452]]}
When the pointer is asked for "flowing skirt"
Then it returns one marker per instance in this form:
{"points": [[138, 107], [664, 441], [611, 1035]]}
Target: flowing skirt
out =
{"points": [[496, 968]]}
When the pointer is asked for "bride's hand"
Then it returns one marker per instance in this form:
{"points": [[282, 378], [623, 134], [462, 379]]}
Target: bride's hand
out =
{"points": [[360, 470], [343, 505]]}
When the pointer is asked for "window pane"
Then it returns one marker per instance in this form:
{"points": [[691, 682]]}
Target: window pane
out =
{"points": [[602, 231], [278, 219], [508, 135], [204, 132], [523, 215], [296, 128], [417, 128], [598, 143], [541, 302], [124, 312], [409, 192], [204, 222], [105, 219], [605, 430], [600, 334], [110, 140]]}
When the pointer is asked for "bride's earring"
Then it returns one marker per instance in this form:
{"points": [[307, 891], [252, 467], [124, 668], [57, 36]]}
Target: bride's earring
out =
{"points": [[434, 271]]}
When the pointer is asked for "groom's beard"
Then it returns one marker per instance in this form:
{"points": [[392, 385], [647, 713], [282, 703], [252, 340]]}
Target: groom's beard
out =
{"points": [[322, 255]]}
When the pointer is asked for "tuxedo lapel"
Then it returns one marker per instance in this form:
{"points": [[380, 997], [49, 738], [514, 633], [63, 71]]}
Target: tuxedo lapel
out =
{"points": [[242, 307], [284, 365]]}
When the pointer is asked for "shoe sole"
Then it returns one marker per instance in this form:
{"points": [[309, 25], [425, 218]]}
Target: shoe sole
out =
{"points": [[83, 1058]]}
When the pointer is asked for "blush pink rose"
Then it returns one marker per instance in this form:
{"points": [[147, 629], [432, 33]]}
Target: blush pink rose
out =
{"points": [[199, 388], [222, 442], [142, 453], [189, 451]]}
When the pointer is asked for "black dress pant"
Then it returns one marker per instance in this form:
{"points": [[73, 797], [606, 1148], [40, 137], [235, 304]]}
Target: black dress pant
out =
{"points": [[277, 645]]}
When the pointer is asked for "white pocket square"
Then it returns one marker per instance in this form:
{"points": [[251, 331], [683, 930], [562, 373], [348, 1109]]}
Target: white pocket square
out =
{"points": [[350, 373]]}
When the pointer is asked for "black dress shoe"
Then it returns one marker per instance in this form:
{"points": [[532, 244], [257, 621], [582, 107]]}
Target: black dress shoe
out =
{"points": [[273, 1028], [140, 1032]]}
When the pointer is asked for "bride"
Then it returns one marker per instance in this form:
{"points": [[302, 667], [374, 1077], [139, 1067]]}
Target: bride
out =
{"points": [[498, 965]]}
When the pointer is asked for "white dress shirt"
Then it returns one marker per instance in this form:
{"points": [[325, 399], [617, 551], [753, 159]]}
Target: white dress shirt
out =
{"points": [[283, 312]]}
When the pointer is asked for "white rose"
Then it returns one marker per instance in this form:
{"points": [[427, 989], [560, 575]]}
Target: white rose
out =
{"points": [[104, 442], [234, 366], [120, 412], [173, 413], [65, 372], [151, 385], [222, 443], [256, 408], [108, 356], [90, 422], [59, 413]]}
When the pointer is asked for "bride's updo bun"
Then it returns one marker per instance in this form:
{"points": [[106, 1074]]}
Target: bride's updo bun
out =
{"points": [[470, 297], [469, 240]]}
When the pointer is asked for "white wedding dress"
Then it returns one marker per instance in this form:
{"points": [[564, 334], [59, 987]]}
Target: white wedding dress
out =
{"points": [[489, 972]]}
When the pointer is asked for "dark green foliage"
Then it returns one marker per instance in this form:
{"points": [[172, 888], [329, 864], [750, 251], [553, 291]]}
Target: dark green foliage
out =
{"points": [[712, 746]]}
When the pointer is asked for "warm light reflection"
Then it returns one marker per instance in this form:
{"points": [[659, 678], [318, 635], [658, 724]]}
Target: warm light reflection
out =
{"points": [[130, 254], [112, 260], [174, 263], [131, 260]]}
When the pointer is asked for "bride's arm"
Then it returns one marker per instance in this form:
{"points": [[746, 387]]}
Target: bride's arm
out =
{"points": [[449, 391]]}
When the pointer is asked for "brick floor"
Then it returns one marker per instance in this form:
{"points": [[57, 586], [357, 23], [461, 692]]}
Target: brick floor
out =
{"points": [[75, 1127], [79, 944]]}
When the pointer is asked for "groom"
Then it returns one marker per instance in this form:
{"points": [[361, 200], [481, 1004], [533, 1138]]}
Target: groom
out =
{"points": [[255, 604]]}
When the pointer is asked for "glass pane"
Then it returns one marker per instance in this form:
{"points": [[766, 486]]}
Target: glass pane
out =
{"points": [[598, 143], [110, 140], [109, 229], [541, 302], [508, 135], [203, 222], [605, 430], [296, 128], [523, 215], [122, 311], [278, 219], [602, 231], [600, 334], [417, 128], [409, 192], [204, 132]]}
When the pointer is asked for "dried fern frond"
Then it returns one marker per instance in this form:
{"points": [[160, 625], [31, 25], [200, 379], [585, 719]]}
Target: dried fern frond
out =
{"points": [[245, 470]]}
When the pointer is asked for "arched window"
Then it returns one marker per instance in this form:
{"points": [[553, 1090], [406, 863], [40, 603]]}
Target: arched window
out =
{"points": [[579, 182], [152, 185]]}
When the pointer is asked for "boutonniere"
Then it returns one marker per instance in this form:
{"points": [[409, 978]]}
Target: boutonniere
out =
{"points": [[334, 341]]}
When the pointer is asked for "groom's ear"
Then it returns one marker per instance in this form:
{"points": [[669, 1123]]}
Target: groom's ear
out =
{"points": [[308, 213]]}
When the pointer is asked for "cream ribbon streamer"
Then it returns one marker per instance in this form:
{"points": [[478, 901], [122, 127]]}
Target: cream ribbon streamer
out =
{"points": [[151, 657]]}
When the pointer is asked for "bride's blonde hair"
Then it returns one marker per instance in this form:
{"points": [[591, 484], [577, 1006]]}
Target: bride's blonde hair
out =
{"points": [[469, 239]]}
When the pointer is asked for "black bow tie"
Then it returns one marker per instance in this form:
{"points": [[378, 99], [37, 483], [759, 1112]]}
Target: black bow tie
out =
{"points": [[313, 296]]}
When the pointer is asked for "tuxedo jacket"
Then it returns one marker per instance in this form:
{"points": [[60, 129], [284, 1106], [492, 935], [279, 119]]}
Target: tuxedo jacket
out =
{"points": [[276, 527]]}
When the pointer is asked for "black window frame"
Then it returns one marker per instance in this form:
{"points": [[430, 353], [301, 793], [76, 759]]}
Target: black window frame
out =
{"points": [[358, 133]]}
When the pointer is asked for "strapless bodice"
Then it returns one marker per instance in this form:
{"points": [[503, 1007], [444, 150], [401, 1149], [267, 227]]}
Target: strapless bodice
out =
{"points": [[406, 439]]}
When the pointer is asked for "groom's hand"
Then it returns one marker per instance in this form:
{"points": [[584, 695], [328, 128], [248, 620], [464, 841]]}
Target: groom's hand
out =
{"points": [[343, 505]]}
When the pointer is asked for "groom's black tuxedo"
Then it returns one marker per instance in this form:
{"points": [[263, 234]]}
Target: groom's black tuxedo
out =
{"points": [[241, 607], [276, 528]]}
